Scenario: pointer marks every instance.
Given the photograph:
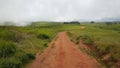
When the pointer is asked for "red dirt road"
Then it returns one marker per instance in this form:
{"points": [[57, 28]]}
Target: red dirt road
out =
{"points": [[62, 53]]}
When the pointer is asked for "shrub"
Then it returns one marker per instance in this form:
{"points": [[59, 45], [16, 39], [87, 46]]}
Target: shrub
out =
{"points": [[87, 40], [31, 56], [43, 36], [10, 63], [7, 49], [45, 45], [25, 57], [7, 35]]}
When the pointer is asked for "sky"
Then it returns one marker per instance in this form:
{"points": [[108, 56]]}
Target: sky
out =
{"points": [[24, 11]]}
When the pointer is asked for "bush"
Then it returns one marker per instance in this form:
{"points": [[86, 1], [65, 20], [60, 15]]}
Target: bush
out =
{"points": [[31, 56], [43, 36], [25, 57], [7, 35], [87, 40], [7, 49], [45, 45], [10, 63]]}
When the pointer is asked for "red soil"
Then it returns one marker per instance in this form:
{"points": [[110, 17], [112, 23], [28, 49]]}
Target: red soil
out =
{"points": [[62, 53]]}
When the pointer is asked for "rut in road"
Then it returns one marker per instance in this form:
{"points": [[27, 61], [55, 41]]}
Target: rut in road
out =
{"points": [[62, 53]]}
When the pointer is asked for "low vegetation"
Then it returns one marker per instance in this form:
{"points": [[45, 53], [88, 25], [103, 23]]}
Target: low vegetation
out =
{"points": [[103, 39], [43, 36], [7, 49], [86, 39], [19, 45], [11, 56]]}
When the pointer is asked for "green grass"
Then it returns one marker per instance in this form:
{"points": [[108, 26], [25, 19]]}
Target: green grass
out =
{"points": [[105, 40], [31, 39], [28, 40]]}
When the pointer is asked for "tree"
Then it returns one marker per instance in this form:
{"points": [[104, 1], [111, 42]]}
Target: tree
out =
{"points": [[92, 22]]}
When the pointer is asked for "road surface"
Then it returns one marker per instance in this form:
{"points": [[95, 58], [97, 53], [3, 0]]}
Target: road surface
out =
{"points": [[62, 53]]}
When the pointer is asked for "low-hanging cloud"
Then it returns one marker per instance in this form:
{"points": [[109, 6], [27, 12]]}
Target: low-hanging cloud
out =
{"points": [[23, 11]]}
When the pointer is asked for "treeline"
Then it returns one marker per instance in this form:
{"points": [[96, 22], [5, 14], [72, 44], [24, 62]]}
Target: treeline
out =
{"points": [[108, 23], [72, 22]]}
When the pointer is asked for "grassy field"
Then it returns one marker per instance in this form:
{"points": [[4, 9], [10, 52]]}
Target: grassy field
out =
{"points": [[103, 39], [18, 45]]}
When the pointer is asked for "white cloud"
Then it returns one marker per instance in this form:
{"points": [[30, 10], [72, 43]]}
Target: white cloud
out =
{"points": [[57, 10]]}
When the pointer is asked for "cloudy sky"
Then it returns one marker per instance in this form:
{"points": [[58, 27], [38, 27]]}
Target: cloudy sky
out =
{"points": [[57, 10]]}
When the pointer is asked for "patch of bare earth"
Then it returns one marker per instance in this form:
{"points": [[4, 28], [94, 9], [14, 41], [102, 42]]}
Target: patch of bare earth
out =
{"points": [[62, 53]]}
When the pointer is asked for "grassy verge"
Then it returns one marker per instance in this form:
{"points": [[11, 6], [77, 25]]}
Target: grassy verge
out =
{"points": [[102, 39]]}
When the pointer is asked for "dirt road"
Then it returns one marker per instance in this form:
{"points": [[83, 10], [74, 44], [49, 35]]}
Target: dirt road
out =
{"points": [[62, 53]]}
